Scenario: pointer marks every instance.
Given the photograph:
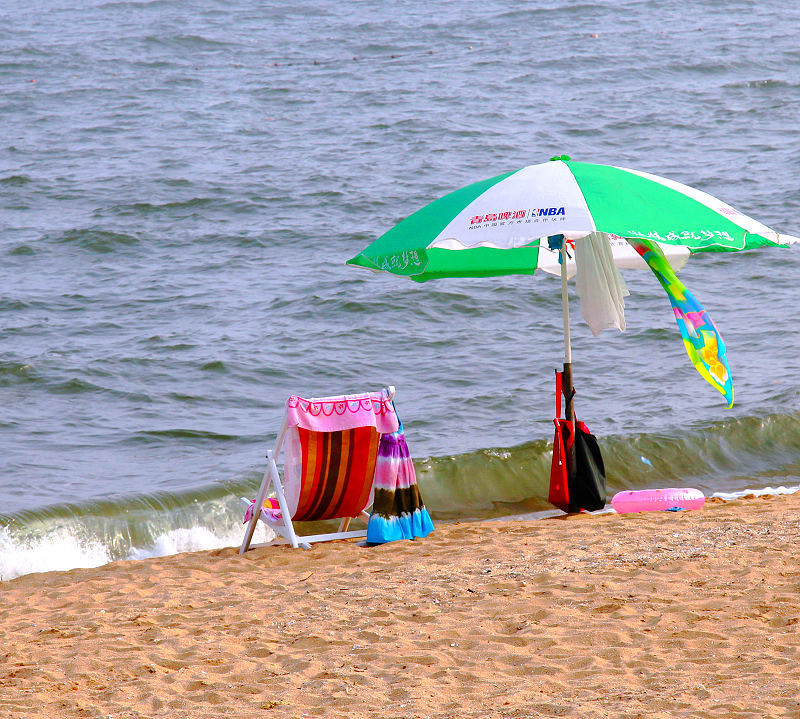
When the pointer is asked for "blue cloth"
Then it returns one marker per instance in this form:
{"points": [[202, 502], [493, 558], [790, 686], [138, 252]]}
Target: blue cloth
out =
{"points": [[406, 526]]}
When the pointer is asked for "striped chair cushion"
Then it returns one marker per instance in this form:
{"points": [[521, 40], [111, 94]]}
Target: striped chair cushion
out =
{"points": [[338, 469]]}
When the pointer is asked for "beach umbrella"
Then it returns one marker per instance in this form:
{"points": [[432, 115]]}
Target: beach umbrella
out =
{"points": [[514, 223], [469, 232]]}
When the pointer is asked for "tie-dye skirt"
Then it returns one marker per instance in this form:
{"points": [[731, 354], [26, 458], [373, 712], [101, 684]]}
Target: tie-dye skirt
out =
{"points": [[398, 511]]}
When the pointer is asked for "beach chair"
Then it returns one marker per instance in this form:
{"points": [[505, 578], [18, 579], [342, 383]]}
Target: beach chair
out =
{"points": [[330, 449]]}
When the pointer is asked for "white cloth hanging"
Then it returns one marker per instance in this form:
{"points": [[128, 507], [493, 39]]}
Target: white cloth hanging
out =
{"points": [[599, 284]]}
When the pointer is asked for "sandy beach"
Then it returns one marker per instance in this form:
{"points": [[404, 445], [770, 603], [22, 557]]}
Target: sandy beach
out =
{"points": [[665, 614]]}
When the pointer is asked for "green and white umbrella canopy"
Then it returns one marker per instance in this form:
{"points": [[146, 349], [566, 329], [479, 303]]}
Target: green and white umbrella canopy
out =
{"points": [[494, 227]]}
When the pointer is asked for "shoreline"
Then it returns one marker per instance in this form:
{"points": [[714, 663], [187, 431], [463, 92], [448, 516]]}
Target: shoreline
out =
{"points": [[64, 547], [661, 614]]}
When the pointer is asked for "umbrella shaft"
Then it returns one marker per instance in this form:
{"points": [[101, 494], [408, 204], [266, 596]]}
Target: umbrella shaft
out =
{"points": [[565, 306], [566, 378], [569, 392]]}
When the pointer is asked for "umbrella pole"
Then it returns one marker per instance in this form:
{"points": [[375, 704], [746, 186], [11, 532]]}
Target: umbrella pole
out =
{"points": [[569, 392]]}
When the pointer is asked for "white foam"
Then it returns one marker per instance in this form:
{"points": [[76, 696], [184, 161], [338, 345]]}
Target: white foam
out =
{"points": [[56, 550], [195, 539], [756, 492], [60, 550]]}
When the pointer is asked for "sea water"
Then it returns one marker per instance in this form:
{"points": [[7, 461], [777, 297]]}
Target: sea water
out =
{"points": [[180, 186]]}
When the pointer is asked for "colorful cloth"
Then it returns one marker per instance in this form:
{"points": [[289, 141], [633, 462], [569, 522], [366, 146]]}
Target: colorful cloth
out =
{"points": [[398, 511], [701, 338], [271, 510]]}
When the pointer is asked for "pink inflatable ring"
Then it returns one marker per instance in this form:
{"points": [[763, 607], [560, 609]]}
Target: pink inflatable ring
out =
{"points": [[651, 500]]}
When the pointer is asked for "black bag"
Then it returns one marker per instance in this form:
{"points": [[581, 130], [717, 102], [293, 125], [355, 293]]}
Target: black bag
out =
{"points": [[587, 489]]}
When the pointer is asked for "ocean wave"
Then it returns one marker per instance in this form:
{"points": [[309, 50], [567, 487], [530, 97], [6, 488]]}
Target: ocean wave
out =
{"points": [[726, 455], [15, 180], [69, 536], [97, 240]]}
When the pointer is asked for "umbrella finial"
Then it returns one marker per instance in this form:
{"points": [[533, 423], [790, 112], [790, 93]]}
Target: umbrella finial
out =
{"points": [[563, 158]]}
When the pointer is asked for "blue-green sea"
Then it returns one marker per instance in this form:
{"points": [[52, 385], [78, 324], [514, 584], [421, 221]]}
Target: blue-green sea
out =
{"points": [[182, 183]]}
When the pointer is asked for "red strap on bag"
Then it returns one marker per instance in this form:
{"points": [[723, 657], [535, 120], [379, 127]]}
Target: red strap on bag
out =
{"points": [[558, 494], [559, 482]]}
